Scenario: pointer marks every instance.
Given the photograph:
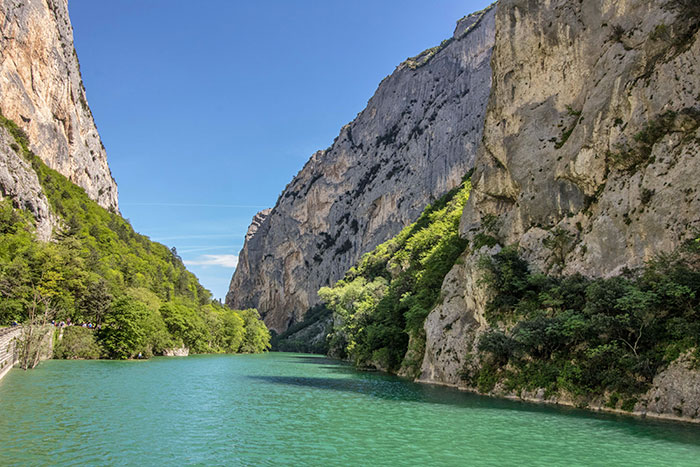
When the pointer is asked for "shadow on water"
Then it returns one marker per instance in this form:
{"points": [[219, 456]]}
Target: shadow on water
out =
{"points": [[388, 387], [340, 369], [312, 359]]}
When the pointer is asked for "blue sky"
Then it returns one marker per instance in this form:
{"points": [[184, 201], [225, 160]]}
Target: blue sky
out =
{"points": [[208, 109]]}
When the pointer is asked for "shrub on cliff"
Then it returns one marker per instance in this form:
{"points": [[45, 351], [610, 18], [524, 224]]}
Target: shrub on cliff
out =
{"points": [[385, 299], [589, 336]]}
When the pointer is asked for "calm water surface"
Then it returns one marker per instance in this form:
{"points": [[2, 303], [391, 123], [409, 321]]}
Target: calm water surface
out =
{"points": [[290, 409]]}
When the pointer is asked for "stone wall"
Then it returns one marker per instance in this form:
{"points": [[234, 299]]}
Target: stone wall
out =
{"points": [[8, 352]]}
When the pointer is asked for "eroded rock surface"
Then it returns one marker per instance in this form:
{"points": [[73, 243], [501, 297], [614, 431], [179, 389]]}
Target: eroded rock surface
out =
{"points": [[675, 391], [19, 182]]}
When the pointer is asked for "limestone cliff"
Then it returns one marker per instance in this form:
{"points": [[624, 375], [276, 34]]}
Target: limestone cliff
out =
{"points": [[20, 183], [415, 141], [591, 135], [42, 91]]}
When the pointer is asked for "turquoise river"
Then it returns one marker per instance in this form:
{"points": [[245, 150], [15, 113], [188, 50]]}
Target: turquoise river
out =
{"points": [[292, 409]]}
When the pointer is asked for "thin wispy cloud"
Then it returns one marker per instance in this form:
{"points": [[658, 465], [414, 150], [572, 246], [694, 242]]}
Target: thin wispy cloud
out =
{"points": [[225, 261], [192, 237], [194, 249], [198, 205]]}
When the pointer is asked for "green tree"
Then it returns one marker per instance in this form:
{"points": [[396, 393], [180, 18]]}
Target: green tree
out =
{"points": [[382, 303], [233, 331], [257, 337], [123, 334]]}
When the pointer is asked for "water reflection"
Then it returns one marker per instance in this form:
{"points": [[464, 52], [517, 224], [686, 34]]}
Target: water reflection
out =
{"points": [[389, 387]]}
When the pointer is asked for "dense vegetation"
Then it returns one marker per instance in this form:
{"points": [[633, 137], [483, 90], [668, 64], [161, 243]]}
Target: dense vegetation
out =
{"points": [[587, 337], [307, 336], [98, 270], [384, 301]]}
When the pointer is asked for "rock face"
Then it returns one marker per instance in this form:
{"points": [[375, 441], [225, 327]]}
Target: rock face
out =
{"points": [[592, 131], [415, 141], [42, 91], [676, 391], [19, 182], [176, 352], [451, 329]]}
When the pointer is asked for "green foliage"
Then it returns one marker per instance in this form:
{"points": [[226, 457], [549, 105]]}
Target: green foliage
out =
{"points": [[313, 323], [559, 243], [629, 157], [386, 298], [628, 404], [123, 334], [185, 325], [653, 131], [487, 378], [234, 332], [660, 33], [574, 113], [617, 32], [256, 337], [17, 133], [77, 342], [589, 336], [506, 271], [97, 269], [566, 132]]}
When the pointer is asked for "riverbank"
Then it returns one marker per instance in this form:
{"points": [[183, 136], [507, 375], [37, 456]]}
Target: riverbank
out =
{"points": [[590, 407], [537, 397]]}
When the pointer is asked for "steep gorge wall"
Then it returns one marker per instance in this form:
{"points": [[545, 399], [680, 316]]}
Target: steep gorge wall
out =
{"points": [[42, 91], [20, 183], [415, 141], [592, 131]]}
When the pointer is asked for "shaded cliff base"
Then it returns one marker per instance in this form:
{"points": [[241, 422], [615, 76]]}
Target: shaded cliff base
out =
{"points": [[641, 409], [307, 336]]}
